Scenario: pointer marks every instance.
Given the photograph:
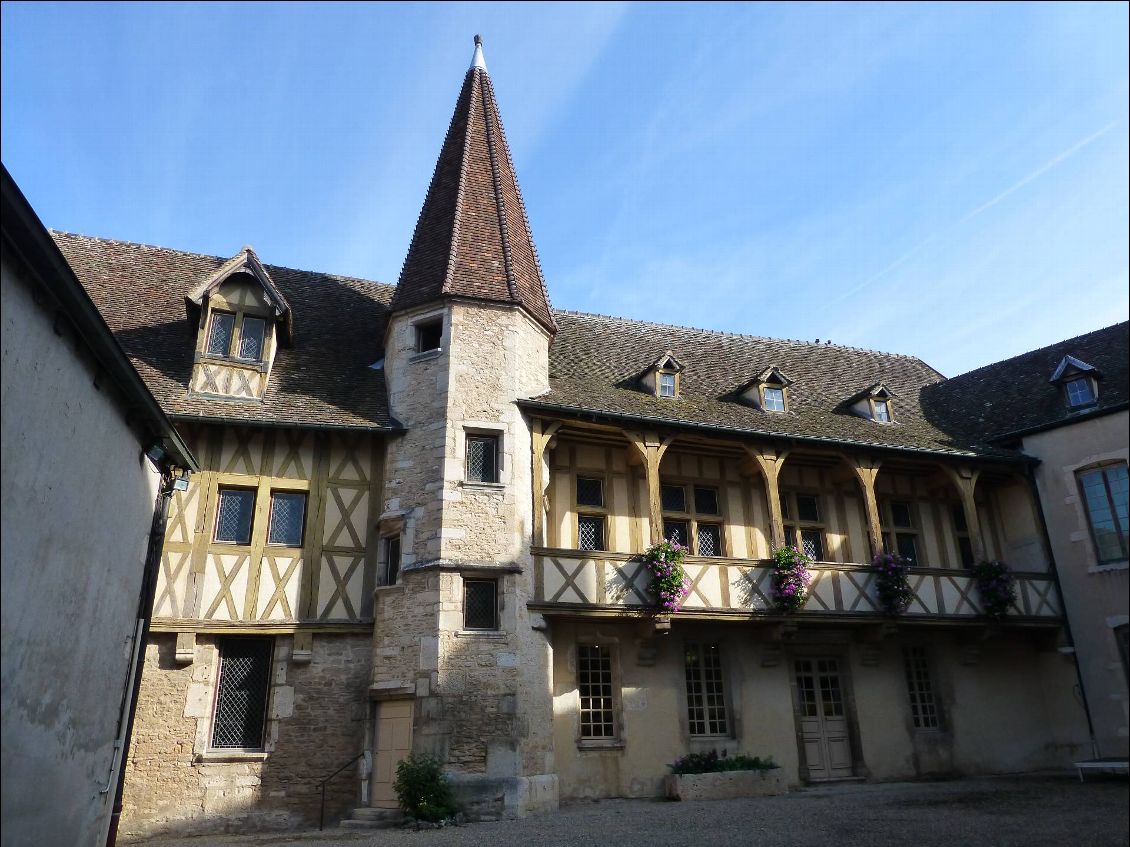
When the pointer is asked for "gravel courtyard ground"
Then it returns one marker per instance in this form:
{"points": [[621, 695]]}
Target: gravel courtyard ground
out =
{"points": [[995, 812]]}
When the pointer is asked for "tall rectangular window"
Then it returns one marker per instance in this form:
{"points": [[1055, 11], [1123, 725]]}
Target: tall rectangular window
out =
{"points": [[241, 693], [964, 541], [594, 684], [1104, 493], [480, 604], [804, 523], [923, 708], [899, 529], [234, 509], [482, 458], [590, 513], [882, 411], [706, 700], [391, 571], [220, 333], [288, 513], [251, 338]]}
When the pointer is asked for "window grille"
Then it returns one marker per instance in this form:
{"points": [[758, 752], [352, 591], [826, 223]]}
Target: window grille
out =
{"points": [[806, 530], [1079, 392], [1105, 494], [220, 333], [594, 684], [705, 500], [676, 532], [812, 543], [709, 539], [480, 604], [241, 693], [288, 509], [482, 458], [923, 708], [251, 338], [673, 498], [590, 491], [233, 515], [706, 701], [774, 399], [391, 572], [590, 532], [808, 508]]}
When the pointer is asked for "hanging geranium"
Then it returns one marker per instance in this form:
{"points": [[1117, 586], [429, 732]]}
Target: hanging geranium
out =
{"points": [[669, 581], [892, 582], [996, 586], [791, 578]]}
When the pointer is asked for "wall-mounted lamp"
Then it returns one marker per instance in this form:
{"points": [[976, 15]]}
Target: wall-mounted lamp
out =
{"points": [[180, 479]]}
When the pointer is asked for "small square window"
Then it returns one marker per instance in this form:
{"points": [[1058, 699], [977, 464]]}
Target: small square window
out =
{"points": [[590, 532], [666, 385], [808, 508], [706, 501], [901, 515], [882, 411], [429, 335], [774, 399], [677, 532], [251, 338], [673, 497], [709, 539], [234, 509], [288, 511], [391, 571], [482, 458], [590, 491], [220, 333], [1079, 392], [812, 543], [907, 546], [480, 604]]}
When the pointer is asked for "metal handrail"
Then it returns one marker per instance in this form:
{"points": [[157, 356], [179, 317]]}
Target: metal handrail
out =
{"points": [[322, 786]]}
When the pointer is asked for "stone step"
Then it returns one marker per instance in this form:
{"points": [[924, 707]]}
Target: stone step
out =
{"points": [[366, 817]]}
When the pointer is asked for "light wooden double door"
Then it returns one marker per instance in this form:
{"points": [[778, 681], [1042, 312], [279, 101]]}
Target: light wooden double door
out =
{"points": [[822, 712], [393, 743]]}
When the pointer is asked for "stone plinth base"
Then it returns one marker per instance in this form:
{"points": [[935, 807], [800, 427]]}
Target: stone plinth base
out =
{"points": [[492, 798], [723, 786]]}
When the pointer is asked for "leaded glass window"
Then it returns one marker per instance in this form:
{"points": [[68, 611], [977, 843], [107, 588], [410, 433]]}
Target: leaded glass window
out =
{"points": [[220, 333], [705, 500], [594, 685], [804, 526], [923, 708], [673, 497], [706, 701], [482, 458], [233, 515], [288, 512], [676, 532], [241, 693], [590, 532], [812, 543], [590, 491], [1105, 495], [480, 604], [251, 338], [709, 539]]}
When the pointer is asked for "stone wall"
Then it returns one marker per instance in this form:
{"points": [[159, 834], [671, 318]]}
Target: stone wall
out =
{"points": [[317, 712]]}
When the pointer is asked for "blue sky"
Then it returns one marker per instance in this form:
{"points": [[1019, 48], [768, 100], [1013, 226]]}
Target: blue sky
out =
{"points": [[948, 181]]}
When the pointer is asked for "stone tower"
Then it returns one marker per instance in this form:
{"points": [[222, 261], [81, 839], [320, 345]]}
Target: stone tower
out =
{"points": [[468, 335]]}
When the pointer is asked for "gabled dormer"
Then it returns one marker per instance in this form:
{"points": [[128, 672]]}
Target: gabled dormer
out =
{"points": [[768, 391], [876, 403], [1078, 381], [241, 319], [664, 377]]}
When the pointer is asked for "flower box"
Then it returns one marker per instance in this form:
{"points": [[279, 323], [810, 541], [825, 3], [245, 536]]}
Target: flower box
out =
{"points": [[726, 785]]}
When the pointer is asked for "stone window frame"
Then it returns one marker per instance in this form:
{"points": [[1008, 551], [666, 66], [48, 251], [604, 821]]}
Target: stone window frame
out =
{"points": [[218, 676], [691, 517], [422, 333], [497, 623], [383, 561], [795, 527], [583, 511], [1074, 498], [498, 433], [891, 532]]}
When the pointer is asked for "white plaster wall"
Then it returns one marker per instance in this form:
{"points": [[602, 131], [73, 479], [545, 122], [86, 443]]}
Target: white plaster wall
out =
{"points": [[77, 501]]}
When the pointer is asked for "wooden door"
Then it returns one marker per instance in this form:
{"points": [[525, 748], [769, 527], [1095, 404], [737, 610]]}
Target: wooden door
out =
{"points": [[823, 719], [393, 743]]}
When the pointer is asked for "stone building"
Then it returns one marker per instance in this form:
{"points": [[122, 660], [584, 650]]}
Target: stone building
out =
{"points": [[420, 515]]}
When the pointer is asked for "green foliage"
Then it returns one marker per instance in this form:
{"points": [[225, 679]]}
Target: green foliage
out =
{"points": [[669, 581], [423, 790], [791, 579], [711, 762]]}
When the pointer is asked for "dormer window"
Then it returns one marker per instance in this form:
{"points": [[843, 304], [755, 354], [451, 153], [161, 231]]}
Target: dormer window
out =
{"points": [[1079, 382], [663, 378], [220, 333], [882, 411], [251, 338], [1079, 392], [875, 403], [768, 391]]}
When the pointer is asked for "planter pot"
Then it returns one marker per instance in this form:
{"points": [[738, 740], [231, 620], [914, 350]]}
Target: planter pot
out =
{"points": [[723, 786]]}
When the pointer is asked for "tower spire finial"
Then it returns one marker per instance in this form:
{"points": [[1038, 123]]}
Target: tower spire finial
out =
{"points": [[477, 60]]}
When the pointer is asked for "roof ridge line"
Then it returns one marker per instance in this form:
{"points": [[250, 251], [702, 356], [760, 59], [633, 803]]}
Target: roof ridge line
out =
{"points": [[1039, 349], [449, 271], [487, 92], [741, 335]]}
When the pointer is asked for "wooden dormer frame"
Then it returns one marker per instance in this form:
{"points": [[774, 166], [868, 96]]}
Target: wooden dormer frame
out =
{"points": [[244, 262], [1070, 370], [865, 403], [665, 365], [753, 392]]}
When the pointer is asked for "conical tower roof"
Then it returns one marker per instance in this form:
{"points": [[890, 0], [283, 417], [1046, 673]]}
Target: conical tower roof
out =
{"points": [[473, 238]]}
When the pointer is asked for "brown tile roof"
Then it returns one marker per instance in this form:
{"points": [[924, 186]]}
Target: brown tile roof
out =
{"points": [[473, 237], [596, 362], [323, 380], [1015, 396]]}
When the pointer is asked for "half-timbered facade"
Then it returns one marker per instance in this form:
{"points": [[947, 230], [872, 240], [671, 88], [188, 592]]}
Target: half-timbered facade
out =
{"points": [[420, 514]]}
